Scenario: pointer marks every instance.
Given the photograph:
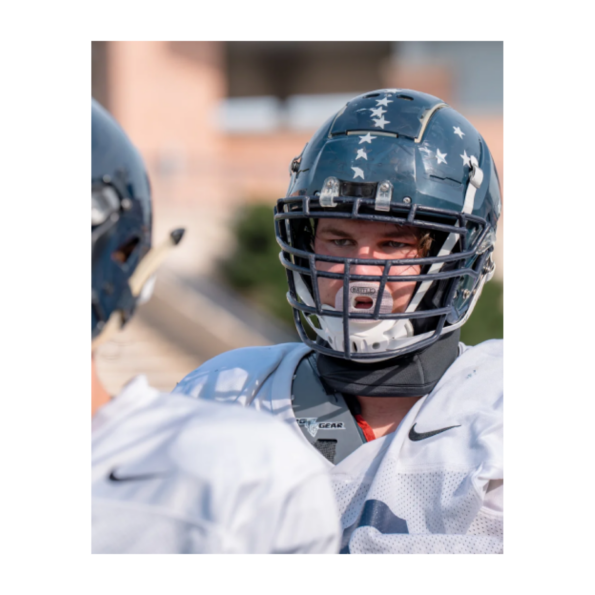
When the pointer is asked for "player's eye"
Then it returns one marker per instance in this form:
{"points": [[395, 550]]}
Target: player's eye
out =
{"points": [[342, 242]]}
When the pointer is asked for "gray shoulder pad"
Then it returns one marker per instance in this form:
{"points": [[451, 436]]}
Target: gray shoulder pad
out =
{"points": [[324, 418]]}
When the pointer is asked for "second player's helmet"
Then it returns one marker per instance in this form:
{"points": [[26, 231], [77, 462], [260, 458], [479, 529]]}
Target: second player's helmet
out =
{"points": [[121, 219], [402, 157]]}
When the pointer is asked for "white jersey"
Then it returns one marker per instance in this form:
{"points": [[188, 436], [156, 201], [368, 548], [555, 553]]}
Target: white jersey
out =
{"points": [[419, 491], [176, 475]]}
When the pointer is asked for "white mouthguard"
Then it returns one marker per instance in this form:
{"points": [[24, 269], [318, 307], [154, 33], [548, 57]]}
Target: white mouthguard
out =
{"points": [[368, 290]]}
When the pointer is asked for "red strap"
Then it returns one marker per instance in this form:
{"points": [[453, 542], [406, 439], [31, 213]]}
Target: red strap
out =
{"points": [[366, 429]]}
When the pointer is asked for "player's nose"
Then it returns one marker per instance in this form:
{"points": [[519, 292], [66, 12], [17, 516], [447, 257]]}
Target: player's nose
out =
{"points": [[365, 252], [366, 269]]}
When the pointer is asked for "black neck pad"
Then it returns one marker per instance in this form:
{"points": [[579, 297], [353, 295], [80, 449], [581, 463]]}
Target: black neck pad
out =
{"points": [[411, 375]]}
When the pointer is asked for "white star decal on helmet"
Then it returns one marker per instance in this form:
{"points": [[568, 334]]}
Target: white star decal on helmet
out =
{"points": [[367, 138], [384, 101], [381, 122], [440, 157], [377, 112]]}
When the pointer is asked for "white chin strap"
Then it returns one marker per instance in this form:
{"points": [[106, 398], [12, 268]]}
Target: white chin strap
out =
{"points": [[378, 336]]}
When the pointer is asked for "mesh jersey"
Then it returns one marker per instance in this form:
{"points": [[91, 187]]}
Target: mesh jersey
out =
{"points": [[173, 475], [438, 494]]}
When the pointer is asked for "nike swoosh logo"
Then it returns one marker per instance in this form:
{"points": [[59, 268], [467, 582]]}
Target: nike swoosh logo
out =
{"points": [[114, 477], [415, 436]]}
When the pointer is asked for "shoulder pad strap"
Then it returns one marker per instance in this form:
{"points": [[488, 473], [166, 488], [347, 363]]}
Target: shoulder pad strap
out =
{"points": [[324, 418]]}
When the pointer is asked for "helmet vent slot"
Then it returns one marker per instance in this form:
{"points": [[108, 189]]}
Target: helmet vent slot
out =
{"points": [[358, 190], [372, 130], [405, 97]]}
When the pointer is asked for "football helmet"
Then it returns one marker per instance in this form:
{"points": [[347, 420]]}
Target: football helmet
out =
{"points": [[121, 215], [402, 157]]}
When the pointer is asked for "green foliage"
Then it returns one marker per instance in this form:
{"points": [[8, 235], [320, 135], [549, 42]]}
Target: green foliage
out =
{"points": [[254, 270], [487, 321]]}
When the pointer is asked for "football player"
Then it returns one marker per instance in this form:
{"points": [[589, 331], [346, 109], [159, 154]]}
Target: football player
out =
{"points": [[171, 474], [387, 233]]}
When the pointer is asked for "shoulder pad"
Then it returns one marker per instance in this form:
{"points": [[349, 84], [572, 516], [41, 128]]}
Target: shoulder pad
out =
{"points": [[323, 417]]}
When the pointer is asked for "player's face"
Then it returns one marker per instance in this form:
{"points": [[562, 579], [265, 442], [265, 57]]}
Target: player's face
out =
{"points": [[371, 240]]}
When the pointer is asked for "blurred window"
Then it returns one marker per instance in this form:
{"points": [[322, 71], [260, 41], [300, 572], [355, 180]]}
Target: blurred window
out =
{"points": [[476, 67], [250, 114], [267, 114], [296, 85]]}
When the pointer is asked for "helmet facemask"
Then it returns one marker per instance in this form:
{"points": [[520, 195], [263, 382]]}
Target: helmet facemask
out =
{"points": [[378, 332]]}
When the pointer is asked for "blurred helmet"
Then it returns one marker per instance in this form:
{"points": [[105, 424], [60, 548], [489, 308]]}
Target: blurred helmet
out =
{"points": [[120, 219], [402, 157]]}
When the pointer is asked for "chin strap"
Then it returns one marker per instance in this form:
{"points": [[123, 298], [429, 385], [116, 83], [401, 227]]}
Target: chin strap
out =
{"points": [[143, 274]]}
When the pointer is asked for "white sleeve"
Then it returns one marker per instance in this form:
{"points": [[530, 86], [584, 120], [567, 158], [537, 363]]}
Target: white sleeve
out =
{"points": [[303, 520], [309, 523], [263, 489]]}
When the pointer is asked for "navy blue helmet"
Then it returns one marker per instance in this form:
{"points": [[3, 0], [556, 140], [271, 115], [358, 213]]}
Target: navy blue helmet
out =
{"points": [[402, 157], [121, 219]]}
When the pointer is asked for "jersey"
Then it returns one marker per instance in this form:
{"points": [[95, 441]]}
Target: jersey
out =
{"points": [[434, 485], [176, 475]]}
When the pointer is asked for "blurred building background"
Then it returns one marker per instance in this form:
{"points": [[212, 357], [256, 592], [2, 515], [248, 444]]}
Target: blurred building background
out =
{"points": [[218, 124]]}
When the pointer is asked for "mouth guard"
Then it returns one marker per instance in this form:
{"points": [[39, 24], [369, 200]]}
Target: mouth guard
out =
{"points": [[367, 290]]}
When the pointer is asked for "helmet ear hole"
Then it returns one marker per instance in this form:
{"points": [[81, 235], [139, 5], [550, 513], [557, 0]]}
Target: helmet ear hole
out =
{"points": [[124, 252]]}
